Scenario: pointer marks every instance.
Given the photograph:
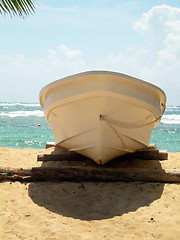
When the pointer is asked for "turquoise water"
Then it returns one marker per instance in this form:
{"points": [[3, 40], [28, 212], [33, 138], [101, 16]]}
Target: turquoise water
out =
{"points": [[167, 134], [22, 125]]}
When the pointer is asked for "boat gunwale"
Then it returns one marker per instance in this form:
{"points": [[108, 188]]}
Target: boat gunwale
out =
{"points": [[101, 73]]}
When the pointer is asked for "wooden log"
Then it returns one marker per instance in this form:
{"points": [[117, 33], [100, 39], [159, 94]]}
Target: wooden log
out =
{"points": [[106, 174], [18, 174], [148, 155], [151, 146], [50, 144], [96, 173], [72, 156]]}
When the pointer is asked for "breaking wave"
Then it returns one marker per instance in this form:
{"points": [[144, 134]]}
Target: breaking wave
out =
{"points": [[171, 119], [13, 114], [21, 104]]}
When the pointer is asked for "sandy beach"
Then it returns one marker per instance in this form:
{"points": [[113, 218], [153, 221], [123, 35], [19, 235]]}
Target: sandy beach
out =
{"points": [[86, 210]]}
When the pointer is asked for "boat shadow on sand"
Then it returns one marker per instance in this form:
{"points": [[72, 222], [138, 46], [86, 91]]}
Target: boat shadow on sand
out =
{"points": [[97, 200]]}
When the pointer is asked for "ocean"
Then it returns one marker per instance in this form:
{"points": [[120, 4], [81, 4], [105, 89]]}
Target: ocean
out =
{"points": [[22, 125]]}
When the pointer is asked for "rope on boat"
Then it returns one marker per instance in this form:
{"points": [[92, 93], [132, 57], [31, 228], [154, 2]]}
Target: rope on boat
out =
{"points": [[125, 125], [117, 134]]}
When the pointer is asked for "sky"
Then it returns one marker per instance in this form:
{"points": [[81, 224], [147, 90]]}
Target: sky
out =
{"points": [[65, 37]]}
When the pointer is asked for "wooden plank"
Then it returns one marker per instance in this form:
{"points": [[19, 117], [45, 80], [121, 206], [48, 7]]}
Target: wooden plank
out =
{"points": [[151, 146], [96, 173], [149, 155], [72, 156]]}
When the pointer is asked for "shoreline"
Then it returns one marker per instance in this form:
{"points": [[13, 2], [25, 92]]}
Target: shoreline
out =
{"points": [[86, 210]]}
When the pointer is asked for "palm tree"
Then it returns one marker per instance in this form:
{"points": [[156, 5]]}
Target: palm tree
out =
{"points": [[16, 7]]}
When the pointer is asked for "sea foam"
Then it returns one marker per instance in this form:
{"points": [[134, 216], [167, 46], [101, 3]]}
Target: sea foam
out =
{"points": [[21, 104], [13, 114], [171, 119]]}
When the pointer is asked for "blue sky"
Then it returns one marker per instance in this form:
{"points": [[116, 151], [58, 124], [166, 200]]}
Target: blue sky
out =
{"points": [[138, 38]]}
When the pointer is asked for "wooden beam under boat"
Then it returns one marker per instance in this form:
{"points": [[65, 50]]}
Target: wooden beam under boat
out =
{"points": [[63, 154], [84, 173]]}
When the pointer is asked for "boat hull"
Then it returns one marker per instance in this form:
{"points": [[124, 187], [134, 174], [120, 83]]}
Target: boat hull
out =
{"points": [[102, 115]]}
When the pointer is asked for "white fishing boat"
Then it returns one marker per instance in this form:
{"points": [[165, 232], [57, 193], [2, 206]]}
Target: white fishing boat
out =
{"points": [[102, 114]]}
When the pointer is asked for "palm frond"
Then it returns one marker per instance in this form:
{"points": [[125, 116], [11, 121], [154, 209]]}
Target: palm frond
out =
{"points": [[16, 7]]}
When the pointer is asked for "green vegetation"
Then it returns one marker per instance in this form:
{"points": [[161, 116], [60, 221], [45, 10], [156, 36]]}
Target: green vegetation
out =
{"points": [[16, 7]]}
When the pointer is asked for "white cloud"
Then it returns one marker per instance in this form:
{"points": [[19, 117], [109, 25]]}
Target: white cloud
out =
{"points": [[22, 77], [158, 61], [60, 62], [157, 16], [69, 53]]}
